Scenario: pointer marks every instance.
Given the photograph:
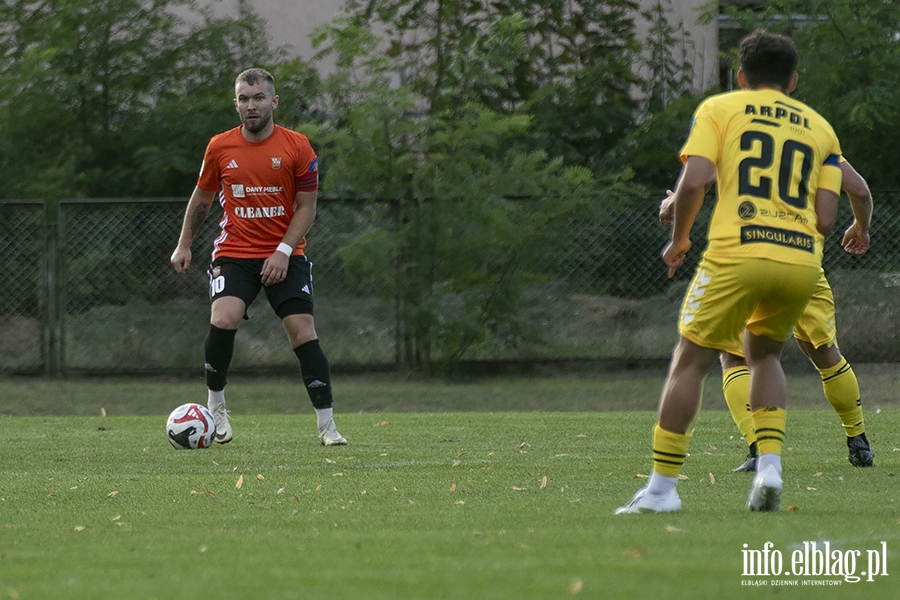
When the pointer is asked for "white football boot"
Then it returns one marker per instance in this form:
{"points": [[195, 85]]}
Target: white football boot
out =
{"points": [[329, 436], [765, 493], [645, 503], [223, 427]]}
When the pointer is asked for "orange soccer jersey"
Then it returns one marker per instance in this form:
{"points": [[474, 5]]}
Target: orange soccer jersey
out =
{"points": [[256, 183]]}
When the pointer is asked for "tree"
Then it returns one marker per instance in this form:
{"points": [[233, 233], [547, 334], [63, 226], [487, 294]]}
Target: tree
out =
{"points": [[568, 64], [470, 211], [116, 97], [849, 53]]}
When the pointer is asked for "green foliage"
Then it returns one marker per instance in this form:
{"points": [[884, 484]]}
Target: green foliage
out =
{"points": [[849, 53], [116, 97], [669, 74], [462, 250], [566, 64]]}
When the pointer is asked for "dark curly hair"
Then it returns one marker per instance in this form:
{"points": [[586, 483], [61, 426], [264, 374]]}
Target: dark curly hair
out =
{"points": [[768, 58]]}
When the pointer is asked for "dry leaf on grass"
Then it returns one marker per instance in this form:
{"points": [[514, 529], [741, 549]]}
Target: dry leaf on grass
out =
{"points": [[112, 494], [543, 482], [792, 508], [518, 489], [575, 586], [259, 477], [456, 463], [240, 483], [453, 487], [79, 528], [673, 529], [712, 478]]}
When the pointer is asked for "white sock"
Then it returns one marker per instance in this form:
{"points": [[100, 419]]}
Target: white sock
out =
{"points": [[216, 400], [323, 416], [661, 485], [764, 460]]}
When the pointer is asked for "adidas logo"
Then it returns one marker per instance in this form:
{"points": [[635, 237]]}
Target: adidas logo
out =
{"points": [[305, 289], [316, 384], [232, 164], [209, 368]]}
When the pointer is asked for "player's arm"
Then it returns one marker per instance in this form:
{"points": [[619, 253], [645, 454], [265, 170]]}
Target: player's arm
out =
{"points": [[826, 210], [856, 238], [696, 174], [667, 207], [275, 267], [197, 209]]}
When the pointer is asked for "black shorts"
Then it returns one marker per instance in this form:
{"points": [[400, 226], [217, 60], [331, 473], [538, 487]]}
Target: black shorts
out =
{"points": [[240, 277]]}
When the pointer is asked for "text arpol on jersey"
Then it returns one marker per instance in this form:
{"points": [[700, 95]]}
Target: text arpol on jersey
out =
{"points": [[778, 113]]}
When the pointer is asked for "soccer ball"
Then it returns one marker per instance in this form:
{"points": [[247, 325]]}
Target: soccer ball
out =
{"points": [[191, 426]]}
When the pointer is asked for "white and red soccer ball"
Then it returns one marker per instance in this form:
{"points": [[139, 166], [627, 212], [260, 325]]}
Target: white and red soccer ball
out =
{"points": [[191, 426]]}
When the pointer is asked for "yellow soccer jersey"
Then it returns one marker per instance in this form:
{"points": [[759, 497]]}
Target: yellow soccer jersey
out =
{"points": [[771, 154]]}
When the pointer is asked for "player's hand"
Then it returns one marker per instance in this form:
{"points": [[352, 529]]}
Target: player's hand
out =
{"points": [[181, 259], [673, 254], [855, 240], [667, 209], [275, 268]]}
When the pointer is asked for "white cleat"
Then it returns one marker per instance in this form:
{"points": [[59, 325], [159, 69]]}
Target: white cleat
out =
{"points": [[223, 427], [329, 436], [765, 493], [645, 503]]}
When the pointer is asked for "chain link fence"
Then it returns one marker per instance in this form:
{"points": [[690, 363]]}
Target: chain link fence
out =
{"points": [[88, 288]]}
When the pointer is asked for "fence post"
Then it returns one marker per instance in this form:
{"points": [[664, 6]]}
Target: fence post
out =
{"points": [[53, 317]]}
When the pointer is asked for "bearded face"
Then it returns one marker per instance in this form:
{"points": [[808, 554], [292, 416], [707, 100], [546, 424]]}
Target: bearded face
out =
{"points": [[255, 105]]}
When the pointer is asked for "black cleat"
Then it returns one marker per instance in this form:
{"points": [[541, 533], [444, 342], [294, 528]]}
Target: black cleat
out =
{"points": [[860, 455], [749, 464]]}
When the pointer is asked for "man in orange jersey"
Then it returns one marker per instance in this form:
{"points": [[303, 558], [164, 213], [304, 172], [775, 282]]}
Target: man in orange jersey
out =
{"points": [[266, 179]]}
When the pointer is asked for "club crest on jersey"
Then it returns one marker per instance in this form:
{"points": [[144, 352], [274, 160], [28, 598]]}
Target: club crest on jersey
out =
{"points": [[313, 166], [276, 163]]}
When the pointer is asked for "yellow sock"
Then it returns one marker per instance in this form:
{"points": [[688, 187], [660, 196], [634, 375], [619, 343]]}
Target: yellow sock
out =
{"points": [[842, 390], [769, 425], [669, 450], [736, 389]]}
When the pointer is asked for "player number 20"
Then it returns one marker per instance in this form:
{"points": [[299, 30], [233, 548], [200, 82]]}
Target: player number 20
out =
{"points": [[763, 157]]}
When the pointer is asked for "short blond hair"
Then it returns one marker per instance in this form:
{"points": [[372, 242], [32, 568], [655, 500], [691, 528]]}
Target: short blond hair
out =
{"points": [[256, 75]]}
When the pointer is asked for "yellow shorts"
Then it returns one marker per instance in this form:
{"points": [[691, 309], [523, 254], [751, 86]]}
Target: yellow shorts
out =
{"points": [[816, 325], [728, 294]]}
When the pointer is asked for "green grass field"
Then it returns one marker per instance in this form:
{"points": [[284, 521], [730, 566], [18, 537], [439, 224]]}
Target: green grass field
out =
{"points": [[476, 503]]}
